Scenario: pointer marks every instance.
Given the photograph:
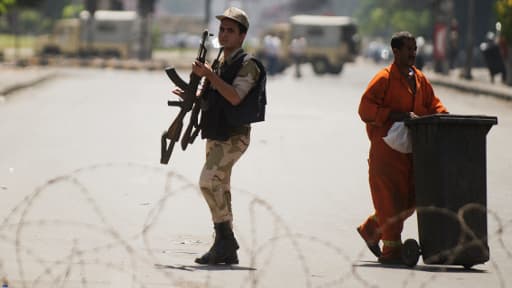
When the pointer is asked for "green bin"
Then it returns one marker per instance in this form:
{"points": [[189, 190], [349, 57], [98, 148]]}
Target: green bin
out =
{"points": [[449, 160]]}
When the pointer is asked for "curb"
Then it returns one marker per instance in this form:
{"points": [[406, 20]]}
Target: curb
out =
{"points": [[18, 86], [120, 64], [470, 86], [124, 64]]}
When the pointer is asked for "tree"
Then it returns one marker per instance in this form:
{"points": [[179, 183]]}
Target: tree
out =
{"points": [[72, 10], [504, 12], [5, 4], [383, 17]]}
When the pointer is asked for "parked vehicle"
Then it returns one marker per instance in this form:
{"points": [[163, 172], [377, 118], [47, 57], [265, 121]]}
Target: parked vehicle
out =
{"points": [[109, 33], [331, 41]]}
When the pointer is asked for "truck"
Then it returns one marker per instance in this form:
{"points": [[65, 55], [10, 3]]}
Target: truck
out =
{"points": [[107, 34], [331, 41]]}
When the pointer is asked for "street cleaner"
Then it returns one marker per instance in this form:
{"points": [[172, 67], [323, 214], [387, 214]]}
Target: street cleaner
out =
{"points": [[235, 96], [397, 92]]}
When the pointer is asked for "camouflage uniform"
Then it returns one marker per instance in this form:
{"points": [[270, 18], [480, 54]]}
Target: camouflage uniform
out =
{"points": [[221, 156]]}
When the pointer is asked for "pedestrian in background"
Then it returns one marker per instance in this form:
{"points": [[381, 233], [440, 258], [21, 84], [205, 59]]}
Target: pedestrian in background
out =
{"points": [[453, 43], [396, 93], [236, 97], [298, 49], [271, 48]]}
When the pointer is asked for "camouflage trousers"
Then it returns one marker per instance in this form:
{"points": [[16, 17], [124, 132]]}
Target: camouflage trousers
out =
{"points": [[214, 181]]}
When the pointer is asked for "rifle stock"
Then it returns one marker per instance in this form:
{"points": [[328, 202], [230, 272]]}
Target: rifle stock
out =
{"points": [[166, 149], [173, 135]]}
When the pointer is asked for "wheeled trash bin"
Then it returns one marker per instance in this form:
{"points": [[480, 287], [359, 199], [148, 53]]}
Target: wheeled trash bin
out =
{"points": [[449, 160]]}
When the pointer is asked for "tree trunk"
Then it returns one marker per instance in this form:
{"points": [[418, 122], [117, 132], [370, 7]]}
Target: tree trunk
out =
{"points": [[470, 40]]}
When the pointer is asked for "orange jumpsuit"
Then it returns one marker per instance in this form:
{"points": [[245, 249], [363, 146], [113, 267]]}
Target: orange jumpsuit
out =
{"points": [[390, 172]]}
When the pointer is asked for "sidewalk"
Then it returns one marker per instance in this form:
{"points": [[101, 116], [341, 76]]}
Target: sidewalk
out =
{"points": [[480, 84]]}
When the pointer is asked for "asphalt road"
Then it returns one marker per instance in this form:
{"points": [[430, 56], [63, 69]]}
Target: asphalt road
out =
{"points": [[85, 202]]}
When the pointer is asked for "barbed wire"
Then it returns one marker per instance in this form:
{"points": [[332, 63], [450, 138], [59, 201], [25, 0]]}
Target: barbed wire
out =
{"points": [[82, 255]]}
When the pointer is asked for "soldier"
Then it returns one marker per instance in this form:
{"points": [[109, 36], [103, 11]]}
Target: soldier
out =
{"points": [[236, 97]]}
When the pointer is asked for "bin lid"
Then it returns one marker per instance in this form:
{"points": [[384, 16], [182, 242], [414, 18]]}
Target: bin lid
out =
{"points": [[453, 119]]}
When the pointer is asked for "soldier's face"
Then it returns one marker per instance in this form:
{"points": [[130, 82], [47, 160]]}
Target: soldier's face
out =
{"points": [[229, 34]]}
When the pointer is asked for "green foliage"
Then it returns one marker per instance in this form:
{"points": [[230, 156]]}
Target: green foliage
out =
{"points": [[504, 12], [7, 41], [383, 17], [30, 21], [72, 11], [24, 20], [416, 22], [5, 4]]}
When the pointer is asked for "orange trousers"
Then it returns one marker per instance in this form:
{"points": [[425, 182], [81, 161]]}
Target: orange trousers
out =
{"points": [[392, 190]]}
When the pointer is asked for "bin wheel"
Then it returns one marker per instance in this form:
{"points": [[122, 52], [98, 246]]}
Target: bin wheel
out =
{"points": [[468, 266], [410, 252]]}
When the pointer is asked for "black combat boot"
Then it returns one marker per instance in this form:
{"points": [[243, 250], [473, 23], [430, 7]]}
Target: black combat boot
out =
{"points": [[205, 259], [224, 247]]}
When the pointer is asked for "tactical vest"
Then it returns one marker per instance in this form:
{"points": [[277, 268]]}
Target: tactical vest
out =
{"points": [[220, 118]]}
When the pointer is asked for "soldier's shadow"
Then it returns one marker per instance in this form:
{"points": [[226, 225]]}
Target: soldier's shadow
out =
{"points": [[192, 268], [425, 268]]}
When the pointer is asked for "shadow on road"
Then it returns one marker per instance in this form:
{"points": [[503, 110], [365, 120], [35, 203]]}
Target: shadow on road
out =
{"points": [[192, 268], [425, 268]]}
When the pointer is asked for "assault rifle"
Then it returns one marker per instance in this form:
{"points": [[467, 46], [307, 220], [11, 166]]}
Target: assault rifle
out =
{"points": [[190, 102]]}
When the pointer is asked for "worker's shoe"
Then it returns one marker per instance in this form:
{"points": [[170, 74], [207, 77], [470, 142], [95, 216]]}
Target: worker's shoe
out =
{"points": [[391, 255], [371, 235], [223, 250]]}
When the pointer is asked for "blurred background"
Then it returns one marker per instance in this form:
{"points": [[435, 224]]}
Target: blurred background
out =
{"points": [[451, 33]]}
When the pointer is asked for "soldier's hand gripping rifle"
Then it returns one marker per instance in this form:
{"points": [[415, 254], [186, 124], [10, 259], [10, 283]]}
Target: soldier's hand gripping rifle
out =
{"points": [[189, 98]]}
